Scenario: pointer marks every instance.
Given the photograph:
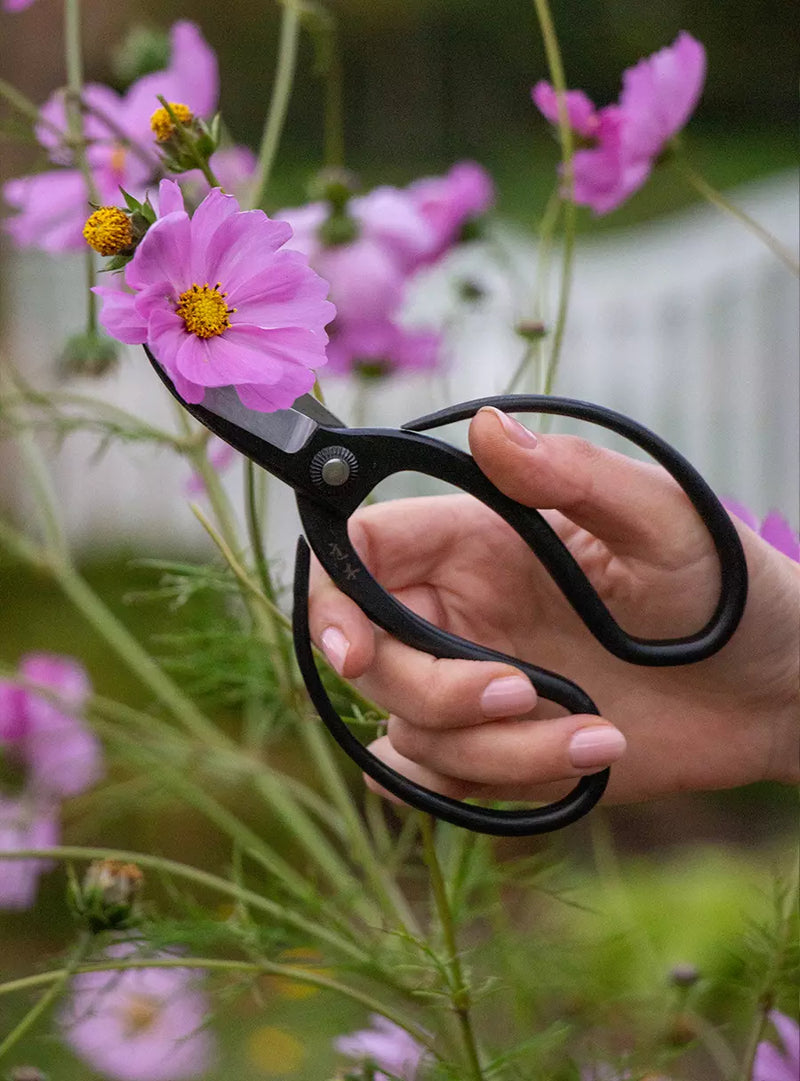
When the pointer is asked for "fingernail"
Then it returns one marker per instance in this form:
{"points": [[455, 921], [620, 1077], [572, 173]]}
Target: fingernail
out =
{"points": [[508, 697], [335, 647], [515, 431], [599, 745]]}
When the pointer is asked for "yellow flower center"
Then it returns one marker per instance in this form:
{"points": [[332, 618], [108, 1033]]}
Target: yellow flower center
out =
{"points": [[139, 1013], [161, 123], [108, 231], [204, 311]]}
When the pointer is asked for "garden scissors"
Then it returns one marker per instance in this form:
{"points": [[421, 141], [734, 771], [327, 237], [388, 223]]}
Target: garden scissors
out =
{"points": [[332, 469]]}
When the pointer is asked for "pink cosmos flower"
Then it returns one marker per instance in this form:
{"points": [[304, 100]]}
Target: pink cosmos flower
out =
{"points": [[47, 739], [221, 302], [55, 755], [658, 96], [398, 232], [24, 823], [770, 1064], [16, 5], [143, 1024], [52, 206], [448, 203], [386, 1046], [774, 529]]}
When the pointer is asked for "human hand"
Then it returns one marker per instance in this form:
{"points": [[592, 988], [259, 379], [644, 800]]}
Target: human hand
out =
{"points": [[474, 728]]}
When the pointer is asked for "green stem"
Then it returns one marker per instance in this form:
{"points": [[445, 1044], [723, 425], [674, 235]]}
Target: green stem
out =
{"points": [[717, 199], [285, 916], [279, 102], [29, 109], [556, 67], [383, 884], [459, 990], [547, 228], [73, 56], [216, 964], [137, 659], [49, 997]]}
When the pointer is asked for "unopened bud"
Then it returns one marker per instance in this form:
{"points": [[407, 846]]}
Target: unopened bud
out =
{"points": [[531, 329], [335, 186], [162, 122], [109, 231], [89, 354], [106, 899], [26, 1073]]}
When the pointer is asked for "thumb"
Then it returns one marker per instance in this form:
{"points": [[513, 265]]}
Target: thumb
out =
{"points": [[620, 500]]}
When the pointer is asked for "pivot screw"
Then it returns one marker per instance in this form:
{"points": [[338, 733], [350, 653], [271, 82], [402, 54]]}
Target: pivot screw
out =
{"points": [[333, 466]]}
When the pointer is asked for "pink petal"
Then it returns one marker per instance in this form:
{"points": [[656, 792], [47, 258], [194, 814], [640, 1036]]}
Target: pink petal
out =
{"points": [[776, 531], [52, 209], [741, 511], [170, 198], [366, 283], [119, 317], [660, 93], [294, 382], [290, 294], [24, 826], [605, 176], [235, 250], [581, 113], [396, 220], [12, 712], [163, 254], [248, 354]]}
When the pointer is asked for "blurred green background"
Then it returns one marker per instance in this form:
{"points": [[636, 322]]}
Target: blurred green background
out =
{"points": [[428, 82]]}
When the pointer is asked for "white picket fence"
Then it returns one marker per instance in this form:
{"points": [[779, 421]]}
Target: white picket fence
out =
{"points": [[688, 324]]}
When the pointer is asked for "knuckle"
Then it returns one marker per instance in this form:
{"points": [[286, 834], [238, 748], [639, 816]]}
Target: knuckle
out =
{"points": [[407, 740]]}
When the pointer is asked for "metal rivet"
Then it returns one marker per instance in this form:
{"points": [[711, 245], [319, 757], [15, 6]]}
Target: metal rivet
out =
{"points": [[335, 472]]}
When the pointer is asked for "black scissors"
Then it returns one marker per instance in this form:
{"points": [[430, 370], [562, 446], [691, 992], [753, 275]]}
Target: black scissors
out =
{"points": [[332, 469]]}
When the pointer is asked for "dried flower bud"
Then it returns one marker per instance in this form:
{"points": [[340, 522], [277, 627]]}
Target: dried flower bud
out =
{"points": [[531, 330], [90, 354], [106, 899]]}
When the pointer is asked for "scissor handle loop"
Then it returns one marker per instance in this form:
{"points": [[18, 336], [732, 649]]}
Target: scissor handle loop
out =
{"points": [[569, 577], [499, 823]]}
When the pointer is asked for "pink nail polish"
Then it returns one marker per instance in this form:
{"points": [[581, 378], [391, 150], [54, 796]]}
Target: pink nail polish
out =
{"points": [[596, 746], [508, 696], [515, 431], [335, 647]]}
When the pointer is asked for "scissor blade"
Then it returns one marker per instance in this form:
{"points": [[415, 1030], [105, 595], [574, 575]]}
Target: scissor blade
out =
{"points": [[286, 429]]}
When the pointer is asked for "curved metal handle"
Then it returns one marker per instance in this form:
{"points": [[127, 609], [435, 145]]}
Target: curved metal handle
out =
{"points": [[571, 580], [478, 819]]}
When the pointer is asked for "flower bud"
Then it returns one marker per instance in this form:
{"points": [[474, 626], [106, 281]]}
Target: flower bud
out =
{"points": [[335, 186], [90, 354], [532, 330], [163, 121], [143, 49], [107, 898], [109, 231], [26, 1073]]}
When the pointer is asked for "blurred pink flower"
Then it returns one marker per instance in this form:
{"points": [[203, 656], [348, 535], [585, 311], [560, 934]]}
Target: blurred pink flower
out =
{"points": [[397, 233], [142, 1024], [57, 753], [52, 206], [16, 5], [449, 203], [658, 96], [774, 529], [24, 823], [386, 1046], [259, 327], [770, 1064]]}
